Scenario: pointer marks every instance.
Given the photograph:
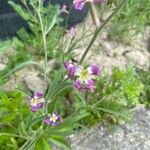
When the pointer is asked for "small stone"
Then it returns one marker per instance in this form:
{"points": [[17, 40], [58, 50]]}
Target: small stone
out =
{"points": [[137, 57], [34, 83], [106, 14], [108, 48], [107, 63], [52, 64], [2, 66]]}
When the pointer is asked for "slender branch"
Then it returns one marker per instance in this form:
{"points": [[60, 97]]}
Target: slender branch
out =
{"points": [[35, 136], [44, 33], [94, 14], [45, 61], [13, 135], [99, 29], [44, 42]]}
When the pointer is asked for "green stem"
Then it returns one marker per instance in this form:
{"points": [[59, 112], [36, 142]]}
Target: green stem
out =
{"points": [[44, 40], [44, 33], [45, 61], [13, 135], [31, 140], [99, 29], [50, 93]]}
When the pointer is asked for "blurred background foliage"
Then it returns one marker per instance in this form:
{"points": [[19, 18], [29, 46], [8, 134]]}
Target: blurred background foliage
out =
{"points": [[133, 19]]}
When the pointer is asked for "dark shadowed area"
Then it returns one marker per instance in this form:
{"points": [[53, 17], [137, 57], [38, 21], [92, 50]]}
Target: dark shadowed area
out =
{"points": [[10, 22]]}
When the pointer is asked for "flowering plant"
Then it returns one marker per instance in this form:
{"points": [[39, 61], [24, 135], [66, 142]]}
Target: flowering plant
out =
{"points": [[83, 78], [53, 119]]}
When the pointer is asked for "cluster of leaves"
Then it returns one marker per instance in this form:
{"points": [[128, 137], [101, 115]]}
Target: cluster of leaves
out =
{"points": [[12, 114], [18, 58], [27, 47], [134, 18], [20, 128], [145, 78], [114, 96], [31, 39]]}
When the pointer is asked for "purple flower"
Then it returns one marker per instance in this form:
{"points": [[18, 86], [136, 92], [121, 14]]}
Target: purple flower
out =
{"points": [[54, 119], [67, 65], [83, 77], [72, 69], [37, 101], [78, 4], [78, 85], [94, 70], [90, 86]]}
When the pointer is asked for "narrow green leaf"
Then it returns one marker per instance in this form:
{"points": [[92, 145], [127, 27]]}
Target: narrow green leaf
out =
{"points": [[14, 142], [25, 15], [36, 120], [74, 118], [121, 114], [5, 45], [31, 142], [60, 141], [12, 135], [19, 66], [42, 144]]}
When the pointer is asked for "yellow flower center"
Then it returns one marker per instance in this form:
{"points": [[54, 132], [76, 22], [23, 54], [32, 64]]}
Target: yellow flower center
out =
{"points": [[84, 75]]}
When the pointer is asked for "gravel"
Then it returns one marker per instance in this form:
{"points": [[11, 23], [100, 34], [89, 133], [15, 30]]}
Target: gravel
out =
{"points": [[131, 136]]}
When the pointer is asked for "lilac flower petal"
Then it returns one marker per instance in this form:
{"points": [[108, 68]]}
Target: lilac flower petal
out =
{"points": [[33, 109], [59, 117], [47, 121], [90, 85], [78, 4], [36, 107], [38, 95], [54, 124], [78, 85], [37, 101], [72, 71], [95, 70], [68, 65]]}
